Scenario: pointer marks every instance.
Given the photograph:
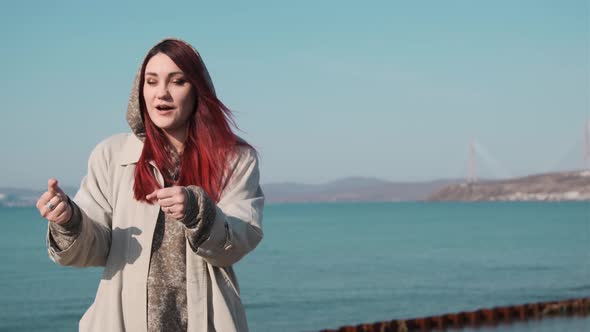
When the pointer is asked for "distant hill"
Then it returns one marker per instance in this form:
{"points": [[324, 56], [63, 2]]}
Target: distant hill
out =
{"points": [[563, 186], [17, 197], [540, 187], [353, 189]]}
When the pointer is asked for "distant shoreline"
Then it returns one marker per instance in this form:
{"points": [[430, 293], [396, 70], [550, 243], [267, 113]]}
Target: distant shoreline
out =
{"points": [[549, 187]]}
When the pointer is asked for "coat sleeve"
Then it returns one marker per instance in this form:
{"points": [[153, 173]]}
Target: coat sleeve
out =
{"points": [[91, 246], [237, 227]]}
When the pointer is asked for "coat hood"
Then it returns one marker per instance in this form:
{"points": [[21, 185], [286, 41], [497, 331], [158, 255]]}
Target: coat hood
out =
{"points": [[134, 118]]}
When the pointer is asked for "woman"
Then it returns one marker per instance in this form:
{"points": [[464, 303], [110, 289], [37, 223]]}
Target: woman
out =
{"points": [[166, 210]]}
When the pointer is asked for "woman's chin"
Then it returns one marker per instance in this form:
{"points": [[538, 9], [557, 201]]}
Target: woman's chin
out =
{"points": [[164, 124], [172, 129]]}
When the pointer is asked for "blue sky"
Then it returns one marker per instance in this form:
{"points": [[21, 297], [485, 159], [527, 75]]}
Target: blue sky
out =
{"points": [[323, 89]]}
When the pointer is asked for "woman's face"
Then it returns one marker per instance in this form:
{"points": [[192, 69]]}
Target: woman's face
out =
{"points": [[169, 97]]}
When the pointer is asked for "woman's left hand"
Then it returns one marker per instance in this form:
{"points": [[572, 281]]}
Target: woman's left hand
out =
{"points": [[172, 200]]}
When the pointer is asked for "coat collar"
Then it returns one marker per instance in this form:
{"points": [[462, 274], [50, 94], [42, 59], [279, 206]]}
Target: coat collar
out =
{"points": [[131, 150]]}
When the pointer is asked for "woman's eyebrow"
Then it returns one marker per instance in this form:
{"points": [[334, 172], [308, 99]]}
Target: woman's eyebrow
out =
{"points": [[170, 74]]}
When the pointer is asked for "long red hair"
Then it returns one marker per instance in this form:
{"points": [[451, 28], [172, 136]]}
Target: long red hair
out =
{"points": [[210, 141]]}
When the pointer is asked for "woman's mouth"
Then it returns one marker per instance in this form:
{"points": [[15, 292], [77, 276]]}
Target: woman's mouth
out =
{"points": [[163, 109]]}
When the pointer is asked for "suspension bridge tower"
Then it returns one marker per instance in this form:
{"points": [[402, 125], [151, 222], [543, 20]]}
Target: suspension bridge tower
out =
{"points": [[587, 145], [471, 166]]}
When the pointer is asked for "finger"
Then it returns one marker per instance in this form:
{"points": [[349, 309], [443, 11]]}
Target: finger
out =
{"points": [[51, 183], [51, 205], [44, 199], [55, 213], [44, 207], [55, 200], [177, 216], [46, 211], [174, 200], [52, 186], [176, 211], [172, 195], [173, 211], [66, 213], [152, 196], [167, 192]]}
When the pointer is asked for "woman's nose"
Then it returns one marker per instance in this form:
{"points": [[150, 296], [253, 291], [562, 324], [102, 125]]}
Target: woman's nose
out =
{"points": [[162, 91]]}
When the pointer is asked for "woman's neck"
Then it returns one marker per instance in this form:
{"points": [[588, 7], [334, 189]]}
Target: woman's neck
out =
{"points": [[177, 138]]}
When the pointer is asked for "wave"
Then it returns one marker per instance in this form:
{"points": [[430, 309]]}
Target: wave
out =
{"points": [[531, 268], [582, 288]]}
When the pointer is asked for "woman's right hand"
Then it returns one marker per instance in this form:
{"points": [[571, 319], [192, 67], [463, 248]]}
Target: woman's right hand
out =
{"points": [[53, 204]]}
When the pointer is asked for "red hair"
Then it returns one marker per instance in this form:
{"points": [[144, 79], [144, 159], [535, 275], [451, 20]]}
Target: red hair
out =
{"points": [[210, 141]]}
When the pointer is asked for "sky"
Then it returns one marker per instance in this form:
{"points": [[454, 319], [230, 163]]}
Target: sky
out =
{"points": [[395, 90]]}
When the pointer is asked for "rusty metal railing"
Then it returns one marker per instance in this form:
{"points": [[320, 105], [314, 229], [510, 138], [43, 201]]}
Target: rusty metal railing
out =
{"points": [[477, 318]]}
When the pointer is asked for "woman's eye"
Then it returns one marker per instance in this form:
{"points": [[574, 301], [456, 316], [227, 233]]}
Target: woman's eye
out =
{"points": [[151, 82], [179, 82]]}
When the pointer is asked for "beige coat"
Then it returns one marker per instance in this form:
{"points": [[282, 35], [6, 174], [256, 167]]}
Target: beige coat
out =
{"points": [[117, 233]]}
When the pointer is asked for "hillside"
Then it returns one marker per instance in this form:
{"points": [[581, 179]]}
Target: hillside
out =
{"points": [[563, 186], [354, 189]]}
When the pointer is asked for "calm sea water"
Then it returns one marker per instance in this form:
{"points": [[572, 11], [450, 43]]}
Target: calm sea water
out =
{"points": [[326, 265]]}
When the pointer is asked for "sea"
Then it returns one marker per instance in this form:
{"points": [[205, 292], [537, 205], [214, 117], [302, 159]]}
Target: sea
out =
{"points": [[322, 266]]}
